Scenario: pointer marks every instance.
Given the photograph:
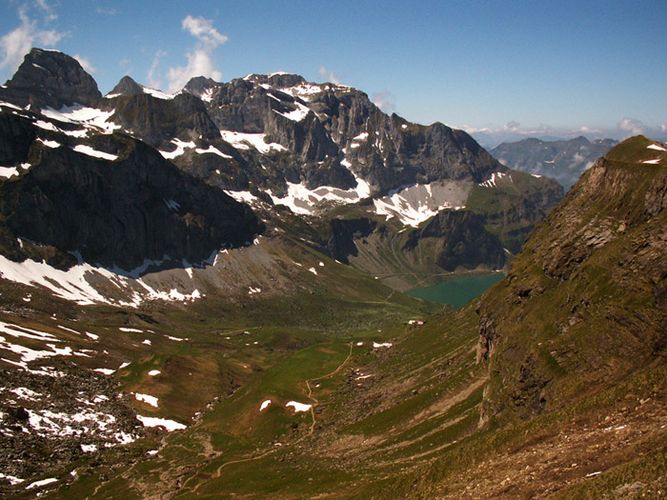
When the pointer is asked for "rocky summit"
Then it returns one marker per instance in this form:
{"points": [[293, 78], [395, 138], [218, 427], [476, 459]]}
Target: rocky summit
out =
{"points": [[201, 295]]}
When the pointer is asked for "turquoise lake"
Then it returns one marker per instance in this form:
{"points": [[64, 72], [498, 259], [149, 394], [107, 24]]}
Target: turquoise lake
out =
{"points": [[457, 291]]}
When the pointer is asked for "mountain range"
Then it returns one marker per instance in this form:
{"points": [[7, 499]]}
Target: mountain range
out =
{"points": [[563, 160], [325, 151], [201, 295]]}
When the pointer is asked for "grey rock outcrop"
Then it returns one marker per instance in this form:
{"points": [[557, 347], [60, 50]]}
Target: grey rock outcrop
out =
{"points": [[50, 79], [116, 213], [464, 241]]}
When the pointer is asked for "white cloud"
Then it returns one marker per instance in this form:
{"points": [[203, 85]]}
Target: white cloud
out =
{"points": [[328, 76], [49, 13], [18, 42], [152, 79], [384, 100], [203, 30], [199, 60], [631, 126], [85, 63]]}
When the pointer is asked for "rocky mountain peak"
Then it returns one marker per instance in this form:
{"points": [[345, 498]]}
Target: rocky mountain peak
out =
{"points": [[126, 86], [200, 85], [48, 78], [280, 79]]}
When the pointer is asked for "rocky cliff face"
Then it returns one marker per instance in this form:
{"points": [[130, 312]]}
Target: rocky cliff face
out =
{"points": [[161, 120], [588, 290], [318, 135], [465, 241], [448, 242], [267, 140], [110, 200], [50, 79]]}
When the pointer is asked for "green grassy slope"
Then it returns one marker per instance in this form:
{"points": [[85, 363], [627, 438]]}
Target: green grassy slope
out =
{"points": [[552, 384]]}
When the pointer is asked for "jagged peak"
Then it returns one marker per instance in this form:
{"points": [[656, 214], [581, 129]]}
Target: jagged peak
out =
{"points": [[201, 86], [127, 86]]}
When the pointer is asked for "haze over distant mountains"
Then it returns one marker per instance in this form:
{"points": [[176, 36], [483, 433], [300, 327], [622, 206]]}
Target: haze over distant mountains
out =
{"points": [[563, 160]]}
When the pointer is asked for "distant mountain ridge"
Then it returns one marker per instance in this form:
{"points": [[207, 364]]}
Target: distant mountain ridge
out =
{"points": [[563, 160], [322, 151]]}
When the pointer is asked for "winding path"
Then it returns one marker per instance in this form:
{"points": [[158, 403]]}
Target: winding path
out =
{"points": [[218, 471]]}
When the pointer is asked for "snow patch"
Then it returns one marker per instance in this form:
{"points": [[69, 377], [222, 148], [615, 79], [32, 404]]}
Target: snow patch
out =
{"points": [[415, 204], [380, 345], [105, 371], [158, 93], [207, 95], [166, 424], [213, 150], [177, 339], [87, 150], [49, 144], [243, 196], [298, 407], [12, 479], [28, 333], [265, 404], [25, 393], [74, 284], [146, 398], [303, 90], [8, 172], [295, 115], [304, 201], [241, 140], [43, 482], [656, 147], [89, 117], [181, 146], [154, 373], [130, 330], [46, 125], [495, 176]]}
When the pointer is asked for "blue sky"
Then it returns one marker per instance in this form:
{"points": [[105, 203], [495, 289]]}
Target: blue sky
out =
{"points": [[524, 67]]}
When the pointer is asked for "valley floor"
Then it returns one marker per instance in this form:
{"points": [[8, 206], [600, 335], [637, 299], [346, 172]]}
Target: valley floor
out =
{"points": [[389, 414]]}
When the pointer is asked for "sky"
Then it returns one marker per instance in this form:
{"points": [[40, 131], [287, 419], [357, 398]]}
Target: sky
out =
{"points": [[494, 68]]}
